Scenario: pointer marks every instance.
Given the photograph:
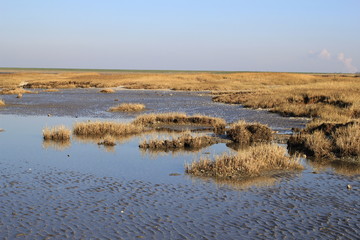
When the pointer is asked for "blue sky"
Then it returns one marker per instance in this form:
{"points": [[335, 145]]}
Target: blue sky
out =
{"points": [[257, 35]]}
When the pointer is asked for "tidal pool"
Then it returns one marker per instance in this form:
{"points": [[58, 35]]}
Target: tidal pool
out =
{"points": [[82, 190]]}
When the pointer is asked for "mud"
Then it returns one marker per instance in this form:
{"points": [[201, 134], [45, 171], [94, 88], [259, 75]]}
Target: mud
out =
{"points": [[89, 103], [84, 191]]}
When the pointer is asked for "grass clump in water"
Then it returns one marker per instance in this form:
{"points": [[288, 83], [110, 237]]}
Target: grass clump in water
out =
{"points": [[328, 141], [107, 90], [106, 128], [248, 133], [58, 133], [2, 102], [254, 161], [185, 141], [128, 107], [181, 118], [108, 141]]}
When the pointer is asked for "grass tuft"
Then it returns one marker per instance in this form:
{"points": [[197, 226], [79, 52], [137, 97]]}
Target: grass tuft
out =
{"points": [[181, 118], [106, 128], [248, 133], [185, 141], [108, 141], [328, 141], [254, 161], [107, 90], [58, 133], [2, 102], [128, 107]]}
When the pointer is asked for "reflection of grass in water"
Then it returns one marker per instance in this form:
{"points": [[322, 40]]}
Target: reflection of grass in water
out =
{"points": [[57, 145], [340, 167], [240, 184]]}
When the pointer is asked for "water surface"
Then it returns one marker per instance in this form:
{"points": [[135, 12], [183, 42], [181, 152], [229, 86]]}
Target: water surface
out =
{"points": [[82, 190]]}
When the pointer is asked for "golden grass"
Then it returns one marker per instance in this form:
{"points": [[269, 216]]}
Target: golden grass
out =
{"points": [[327, 100], [184, 81], [108, 140], [128, 107], [329, 141], [107, 90], [181, 118], [51, 90], [254, 161], [58, 133], [347, 140], [106, 128], [15, 91], [248, 133], [2, 102], [184, 141]]}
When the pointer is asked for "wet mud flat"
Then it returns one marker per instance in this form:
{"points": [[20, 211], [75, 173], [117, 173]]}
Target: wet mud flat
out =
{"points": [[67, 204], [91, 103], [80, 191]]}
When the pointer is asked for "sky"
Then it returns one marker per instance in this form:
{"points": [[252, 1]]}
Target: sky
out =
{"points": [[224, 35]]}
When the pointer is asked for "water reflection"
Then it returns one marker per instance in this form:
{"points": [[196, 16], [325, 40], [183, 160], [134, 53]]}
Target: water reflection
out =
{"points": [[239, 184], [57, 145], [340, 167]]}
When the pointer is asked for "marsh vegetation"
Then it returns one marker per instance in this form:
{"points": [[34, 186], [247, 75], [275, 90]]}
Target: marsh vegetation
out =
{"points": [[57, 133], [128, 107], [253, 161]]}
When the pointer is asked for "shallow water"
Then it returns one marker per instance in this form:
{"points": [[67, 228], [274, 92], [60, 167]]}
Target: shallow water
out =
{"points": [[82, 190], [91, 103]]}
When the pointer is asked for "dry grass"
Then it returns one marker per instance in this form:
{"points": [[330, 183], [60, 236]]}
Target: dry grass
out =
{"points": [[185, 141], [128, 107], [15, 91], [107, 90], [149, 80], [2, 102], [248, 133], [347, 140], [58, 133], [51, 90], [181, 118], [106, 128], [255, 161], [108, 141], [328, 141], [328, 100]]}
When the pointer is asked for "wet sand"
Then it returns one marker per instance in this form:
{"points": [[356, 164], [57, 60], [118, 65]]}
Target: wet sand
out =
{"points": [[80, 191], [66, 204]]}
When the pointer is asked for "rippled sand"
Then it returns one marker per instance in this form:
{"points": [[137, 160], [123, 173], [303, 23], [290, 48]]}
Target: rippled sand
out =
{"points": [[58, 204], [80, 191]]}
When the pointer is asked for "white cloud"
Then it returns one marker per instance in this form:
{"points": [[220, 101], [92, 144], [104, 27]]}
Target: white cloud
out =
{"points": [[347, 63], [324, 54]]}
